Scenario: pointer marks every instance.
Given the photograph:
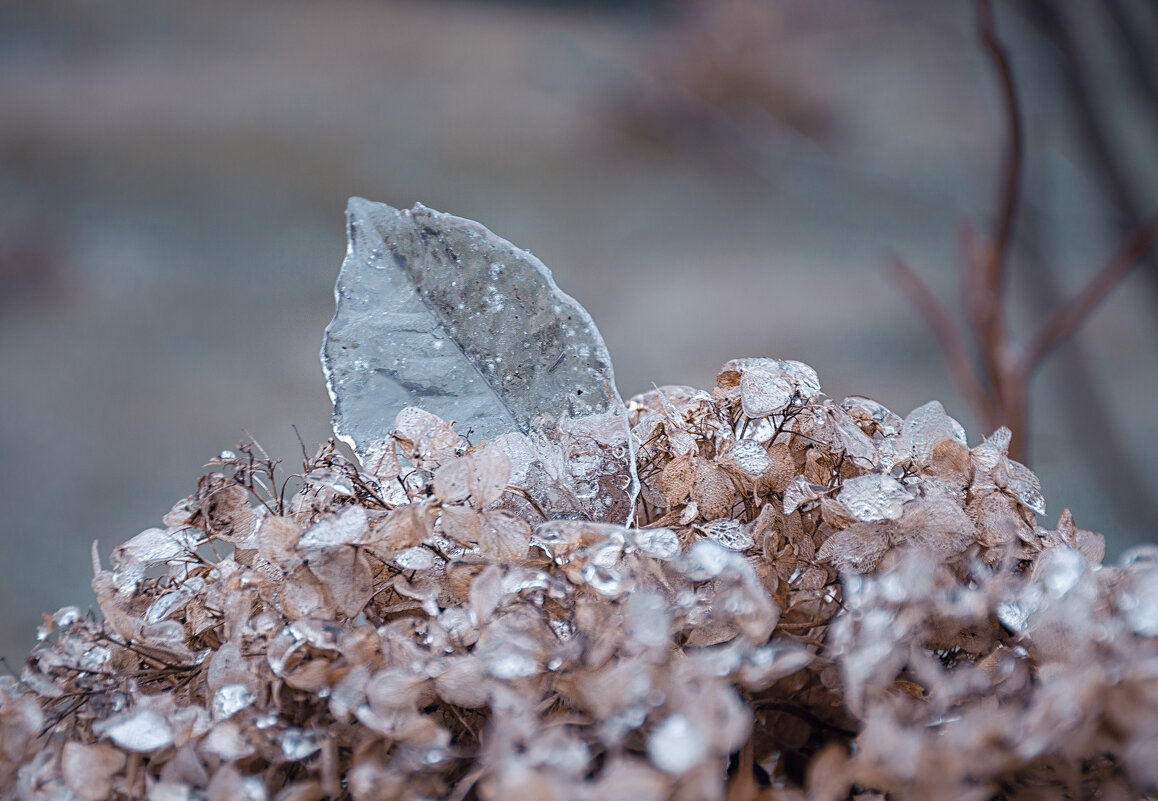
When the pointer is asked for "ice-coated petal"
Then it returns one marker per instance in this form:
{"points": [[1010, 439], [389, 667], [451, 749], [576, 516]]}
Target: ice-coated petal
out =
{"points": [[142, 730], [874, 497], [435, 311]]}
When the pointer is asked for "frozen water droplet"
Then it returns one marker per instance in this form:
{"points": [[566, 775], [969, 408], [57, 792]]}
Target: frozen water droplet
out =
{"points": [[677, 745], [873, 416], [750, 456], [562, 628], [335, 480], [1060, 569], [873, 497], [142, 730], [1029, 495], [347, 528], [1013, 616], [416, 558], [799, 492], [1141, 605], [807, 381], [649, 618], [512, 664], [707, 559], [775, 661], [226, 456], [925, 427], [764, 393], [151, 547], [297, 744], [230, 699], [66, 616], [95, 659], [266, 721], [520, 579], [661, 543]]}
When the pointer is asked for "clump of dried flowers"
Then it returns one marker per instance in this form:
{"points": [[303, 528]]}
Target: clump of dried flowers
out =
{"points": [[816, 600]]}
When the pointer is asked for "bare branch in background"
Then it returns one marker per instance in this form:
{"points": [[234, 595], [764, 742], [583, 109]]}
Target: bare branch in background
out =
{"points": [[1136, 28], [997, 383], [1065, 320], [939, 318]]}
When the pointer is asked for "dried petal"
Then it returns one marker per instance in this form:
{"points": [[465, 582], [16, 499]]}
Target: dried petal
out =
{"points": [[732, 534], [504, 537]]}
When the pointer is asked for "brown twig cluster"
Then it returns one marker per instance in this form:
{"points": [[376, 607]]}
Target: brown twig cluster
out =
{"points": [[993, 374], [817, 600]]}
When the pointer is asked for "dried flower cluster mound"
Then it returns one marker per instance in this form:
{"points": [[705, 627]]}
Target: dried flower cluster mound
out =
{"points": [[816, 600]]}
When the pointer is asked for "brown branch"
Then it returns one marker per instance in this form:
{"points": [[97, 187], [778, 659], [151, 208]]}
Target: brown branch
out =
{"points": [[985, 283], [1011, 171], [1091, 122], [937, 315], [1065, 320]]}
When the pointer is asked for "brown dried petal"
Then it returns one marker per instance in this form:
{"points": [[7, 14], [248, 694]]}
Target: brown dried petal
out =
{"points": [[712, 490], [277, 539], [492, 471], [782, 469], [996, 519], [452, 481], [303, 595], [952, 462], [463, 524], [406, 526], [347, 577], [381, 460], [858, 548], [395, 689], [426, 439], [834, 513], [229, 784], [486, 591], [940, 526], [226, 513], [462, 682], [817, 467], [628, 779], [677, 477], [732, 534], [504, 537]]}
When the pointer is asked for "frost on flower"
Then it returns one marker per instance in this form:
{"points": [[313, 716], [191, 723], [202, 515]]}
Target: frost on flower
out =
{"points": [[809, 599]]}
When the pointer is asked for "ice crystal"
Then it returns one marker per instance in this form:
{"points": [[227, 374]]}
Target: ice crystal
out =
{"points": [[437, 312]]}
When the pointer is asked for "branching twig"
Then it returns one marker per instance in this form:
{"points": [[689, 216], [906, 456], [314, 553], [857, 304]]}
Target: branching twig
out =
{"points": [[937, 315], [1065, 320], [996, 383], [1011, 171]]}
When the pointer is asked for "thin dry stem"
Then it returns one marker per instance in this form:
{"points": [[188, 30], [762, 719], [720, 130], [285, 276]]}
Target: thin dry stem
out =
{"points": [[1065, 320]]}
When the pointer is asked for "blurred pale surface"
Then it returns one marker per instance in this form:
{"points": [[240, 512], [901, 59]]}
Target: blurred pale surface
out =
{"points": [[173, 180]]}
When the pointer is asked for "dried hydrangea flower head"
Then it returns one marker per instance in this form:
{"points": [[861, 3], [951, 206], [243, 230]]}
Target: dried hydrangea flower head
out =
{"points": [[810, 600]]}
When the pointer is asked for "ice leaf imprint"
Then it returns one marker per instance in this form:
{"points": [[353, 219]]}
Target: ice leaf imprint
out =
{"points": [[437, 312]]}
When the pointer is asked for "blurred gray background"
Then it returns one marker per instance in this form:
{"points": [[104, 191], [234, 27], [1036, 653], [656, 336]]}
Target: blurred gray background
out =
{"points": [[711, 180]]}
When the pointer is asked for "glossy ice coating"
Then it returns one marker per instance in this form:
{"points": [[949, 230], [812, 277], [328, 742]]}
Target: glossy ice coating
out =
{"points": [[437, 312]]}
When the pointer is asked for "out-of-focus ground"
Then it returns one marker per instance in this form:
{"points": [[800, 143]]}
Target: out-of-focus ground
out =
{"points": [[173, 179]]}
